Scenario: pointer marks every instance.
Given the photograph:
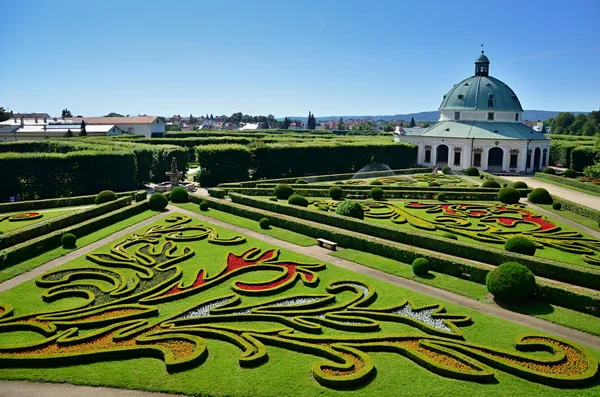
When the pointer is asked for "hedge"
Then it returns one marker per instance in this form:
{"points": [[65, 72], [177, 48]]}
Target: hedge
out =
{"points": [[20, 206], [553, 292], [582, 157], [34, 247], [578, 209], [367, 187], [569, 182], [548, 268], [220, 163]]}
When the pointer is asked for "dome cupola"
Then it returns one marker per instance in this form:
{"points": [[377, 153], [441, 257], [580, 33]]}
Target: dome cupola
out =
{"points": [[482, 65]]}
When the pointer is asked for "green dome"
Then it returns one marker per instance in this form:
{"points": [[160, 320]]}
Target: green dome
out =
{"points": [[474, 93], [482, 59]]}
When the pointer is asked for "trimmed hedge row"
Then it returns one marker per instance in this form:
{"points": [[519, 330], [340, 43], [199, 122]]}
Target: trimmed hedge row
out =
{"points": [[569, 182], [34, 247], [578, 209], [550, 291], [367, 187], [574, 274], [63, 202], [30, 232], [222, 163], [582, 157]]}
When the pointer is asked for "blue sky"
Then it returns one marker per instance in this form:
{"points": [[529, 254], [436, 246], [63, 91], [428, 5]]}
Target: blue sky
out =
{"points": [[289, 57]]}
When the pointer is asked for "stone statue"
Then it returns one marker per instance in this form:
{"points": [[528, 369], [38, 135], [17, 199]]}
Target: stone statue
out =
{"points": [[174, 165]]}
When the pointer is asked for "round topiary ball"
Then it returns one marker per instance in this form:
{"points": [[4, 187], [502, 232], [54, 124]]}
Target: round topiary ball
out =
{"points": [[264, 223], [350, 208], [510, 282], [105, 196], [421, 266], [301, 182], [296, 199], [491, 183], [441, 197], [520, 185], [179, 195], [520, 245], [549, 170], [157, 202], [569, 173], [539, 196], [481, 176], [449, 235], [335, 192], [376, 193], [283, 191], [557, 206], [472, 171], [203, 206], [376, 182], [446, 170], [68, 240], [509, 195]]}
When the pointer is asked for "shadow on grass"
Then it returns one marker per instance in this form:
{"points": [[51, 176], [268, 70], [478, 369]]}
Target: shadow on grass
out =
{"points": [[529, 306], [428, 276]]}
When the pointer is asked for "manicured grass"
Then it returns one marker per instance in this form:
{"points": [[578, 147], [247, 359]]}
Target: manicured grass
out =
{"points": [[15, 270], [592, 224], [286, 372], [415, 180], [533, 307], [281, 234], [7, 226], [555, 183]]}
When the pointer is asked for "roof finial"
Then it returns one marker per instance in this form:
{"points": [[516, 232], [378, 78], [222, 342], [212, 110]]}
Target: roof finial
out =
{"points": [[482, 48]]}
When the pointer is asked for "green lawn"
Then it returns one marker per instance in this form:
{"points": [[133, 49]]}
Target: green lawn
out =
{"points": [[556, 314], [7, 226], [414, 180], [555, 183], [286, 372], [19, 268], [592, 224]]}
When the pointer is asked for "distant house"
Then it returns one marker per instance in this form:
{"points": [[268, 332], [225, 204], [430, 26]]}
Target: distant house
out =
{"points": [[140, 125], [24, 129], [250, 126]]}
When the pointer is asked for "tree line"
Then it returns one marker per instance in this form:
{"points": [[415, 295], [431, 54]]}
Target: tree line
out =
{"points": [[566, 123]]}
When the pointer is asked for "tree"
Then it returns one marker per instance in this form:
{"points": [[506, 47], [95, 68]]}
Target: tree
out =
{"points": [[340, 124], [83, 132], [412, 122], [193, 120], [286, 123], [69, 133], [311, 124], [66, 113], [389, 127], [366, 128], [211, 117], [111, 114], [426, 124], [174, 127], [562, 122], [4, 115]]}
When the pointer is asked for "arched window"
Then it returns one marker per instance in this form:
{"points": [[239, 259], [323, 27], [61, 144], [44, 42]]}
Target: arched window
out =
{"points": [[490, 101]]}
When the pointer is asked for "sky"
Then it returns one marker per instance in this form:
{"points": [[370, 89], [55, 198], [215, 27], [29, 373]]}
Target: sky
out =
{"points": [[287, 58]]}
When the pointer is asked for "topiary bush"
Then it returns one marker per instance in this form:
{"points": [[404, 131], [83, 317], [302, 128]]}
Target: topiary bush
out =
{"points": [[264, 223], [105, 196], [376, 193], [520, 245], [510, 282], [376, 182], [520, 185], [203, 206], [549, 170], [350, 208], [509, 195], [557, 206], [539, 196], [301, 182], [157, 202], [472, 171], [441, 197], [569, 173], [68, 240], [449, 235], [491, 183], [446, 170], [335, 192], [283, 191], [296, 199], [481, 176], [421, 266], [179, 195]]}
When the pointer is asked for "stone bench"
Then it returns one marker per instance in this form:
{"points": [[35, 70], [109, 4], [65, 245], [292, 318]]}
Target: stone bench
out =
{"points": [[327, 244]]}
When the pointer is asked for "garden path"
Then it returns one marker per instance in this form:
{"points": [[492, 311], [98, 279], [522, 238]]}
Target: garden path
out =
{"points": [[39, 389], [564, 192]]}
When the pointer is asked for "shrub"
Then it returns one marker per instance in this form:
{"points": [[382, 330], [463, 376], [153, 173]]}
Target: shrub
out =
{"points": [[296, 199], [203, 206], [593, 171], [481, 176], [105, 196], [264, 223], [179, 195], [376, 193], [509, 195], [446, 169], [376, 182], [539, 196], [520, 245], [335, 192], [510, 282], [549, 170], [421, 266], [449, 235], [582, 156], [556, 206], [433, 184], [569, 173], [491, 183], [157, 202], [216, 192], [301, 182], [350, 208], [520, 185], [283, 191], [441, 197], [68, 240], [472, 171]]}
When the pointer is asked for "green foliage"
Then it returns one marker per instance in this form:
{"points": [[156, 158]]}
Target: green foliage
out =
{"points": [[449, 235], [105, 196], [592, 171], [421, 266], [520, 245], [491, 184], [569, 173], [509, 195], [433, 184], [472, 171], [283, 191], [179, 195], [66, 113], [481, 176], [446, 169], [441, 196], [375, 182], [572, 182], [581, 157], [520, 185], [556, 206], [549, 170], [335, 192], [173, 128], [296, 199], [216, 192], [511, 282], [539, 196], [351, 209], [203, 206], [264, 223], [223, 163], [311, 123], [68, 240], [158, 202], [301, 182], [376, 193]]}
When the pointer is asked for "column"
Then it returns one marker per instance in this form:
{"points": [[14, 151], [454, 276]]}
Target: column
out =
{"points": [[505, 154], [434, 155]]}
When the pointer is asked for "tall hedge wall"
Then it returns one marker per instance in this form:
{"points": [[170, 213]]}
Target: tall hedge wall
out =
{"points": [[582, 156], [223, 163]]}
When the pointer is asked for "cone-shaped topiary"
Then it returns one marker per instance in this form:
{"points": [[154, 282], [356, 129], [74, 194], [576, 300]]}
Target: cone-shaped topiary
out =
{"points": [[283, 191], [68, 240], [301, 182], [375, 182], [520, 245], [203, 206], [472, 171], [105, 196], [264, 223], [421, 266], [569, 173], [157, 202], [520, 185], [540, 196], [376, 193], [510, 282], [490, 183], [296, 199], [509, 195], [335, 192], [350, 208], [446, 170], [549, 170], [179, 195]]}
